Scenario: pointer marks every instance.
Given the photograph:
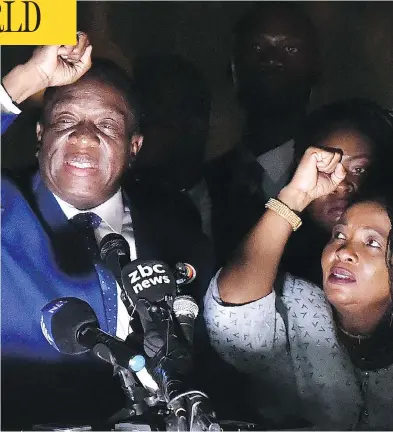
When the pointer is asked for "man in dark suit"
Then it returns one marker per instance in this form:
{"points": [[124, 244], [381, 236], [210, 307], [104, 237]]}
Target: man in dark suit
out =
{"points": [[88, 137], [274, 66]]}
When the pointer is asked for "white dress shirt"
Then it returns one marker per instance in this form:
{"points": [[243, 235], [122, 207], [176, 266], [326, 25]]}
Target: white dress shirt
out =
{"points": [[7, 103], [116, 218]]}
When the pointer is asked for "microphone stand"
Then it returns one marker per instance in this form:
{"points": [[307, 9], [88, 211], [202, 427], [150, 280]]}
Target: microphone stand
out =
{"points": [[171, 360], [138, 399], [171, 367]]}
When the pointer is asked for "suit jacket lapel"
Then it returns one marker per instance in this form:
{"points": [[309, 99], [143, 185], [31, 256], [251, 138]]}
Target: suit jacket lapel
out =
{"points": [[146, 246], [70, 251]]}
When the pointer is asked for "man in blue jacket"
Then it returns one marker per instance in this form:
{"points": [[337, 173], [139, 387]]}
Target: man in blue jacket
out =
{"points": [[88, 137]]}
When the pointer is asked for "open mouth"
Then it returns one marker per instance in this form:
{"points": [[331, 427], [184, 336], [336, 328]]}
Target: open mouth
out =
{"points": [[81, 164], [341, 276]]}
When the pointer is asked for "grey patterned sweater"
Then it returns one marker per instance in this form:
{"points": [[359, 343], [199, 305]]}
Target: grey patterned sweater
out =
{"points": [[288, 346]]}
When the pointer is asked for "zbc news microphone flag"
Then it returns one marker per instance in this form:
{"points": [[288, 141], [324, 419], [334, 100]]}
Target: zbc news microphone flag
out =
{"points": [[38, 22]]}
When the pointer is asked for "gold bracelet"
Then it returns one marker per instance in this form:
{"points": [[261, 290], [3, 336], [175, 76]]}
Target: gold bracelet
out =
{"points": [[284, 211]]}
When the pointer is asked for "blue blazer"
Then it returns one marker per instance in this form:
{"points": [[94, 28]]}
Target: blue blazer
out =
{"points": [[43, 258]]}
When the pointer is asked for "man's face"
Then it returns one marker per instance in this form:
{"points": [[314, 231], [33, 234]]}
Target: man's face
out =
{"points": [[275, 61], [85, 142]]}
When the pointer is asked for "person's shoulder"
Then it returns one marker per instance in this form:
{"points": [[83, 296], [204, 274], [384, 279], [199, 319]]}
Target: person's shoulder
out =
{"points": [[157, 200], [15, 183], [233, 174], [9, 190], [302, 296], [228, 156], [293, 285], [11, 198], [174, 226], [224, 162], [9, 182]]}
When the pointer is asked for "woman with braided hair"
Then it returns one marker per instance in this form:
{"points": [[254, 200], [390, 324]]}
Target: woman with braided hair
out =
{"points": [[322, 357]]}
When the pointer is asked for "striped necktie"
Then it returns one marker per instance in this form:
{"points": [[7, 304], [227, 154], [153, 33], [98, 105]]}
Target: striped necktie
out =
{"points": [[87, 223]]}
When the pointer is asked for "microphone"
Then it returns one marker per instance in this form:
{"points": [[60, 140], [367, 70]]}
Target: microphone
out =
{"points": [[71, 327], [149, 279], [150, 287], [115, 252], [154, 281], [186, 310], [184, 273]]}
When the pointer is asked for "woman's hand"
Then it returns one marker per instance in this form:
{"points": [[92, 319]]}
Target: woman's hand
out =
{"points": [[319, 173]]}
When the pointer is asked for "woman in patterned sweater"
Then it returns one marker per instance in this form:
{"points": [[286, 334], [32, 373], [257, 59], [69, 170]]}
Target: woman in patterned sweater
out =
{"points": [[325, 357]]}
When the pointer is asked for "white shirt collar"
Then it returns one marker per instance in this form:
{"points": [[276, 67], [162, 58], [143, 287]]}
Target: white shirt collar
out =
{"points": [[111, 211]]}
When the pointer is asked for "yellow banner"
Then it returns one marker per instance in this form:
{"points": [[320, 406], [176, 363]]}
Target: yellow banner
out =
{"points": [[38, 22]]}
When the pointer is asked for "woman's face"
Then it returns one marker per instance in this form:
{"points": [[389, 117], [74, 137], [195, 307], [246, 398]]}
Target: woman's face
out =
{"points": [[357, 154], [355, 275]]}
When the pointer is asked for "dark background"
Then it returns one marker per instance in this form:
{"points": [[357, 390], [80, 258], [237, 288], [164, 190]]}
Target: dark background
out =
{"points": [[356, 40]]}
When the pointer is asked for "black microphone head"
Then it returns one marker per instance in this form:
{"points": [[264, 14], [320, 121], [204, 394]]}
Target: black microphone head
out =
{"points": [[114, 243], [148, 279], [185, 273], [61, 320]]}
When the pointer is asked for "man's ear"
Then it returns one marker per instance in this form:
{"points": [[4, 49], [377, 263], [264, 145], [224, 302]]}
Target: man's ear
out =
{"points": [[39, 129], [136, 144]]}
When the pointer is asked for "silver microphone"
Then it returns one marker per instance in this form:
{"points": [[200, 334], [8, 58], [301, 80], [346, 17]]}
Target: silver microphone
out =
{"points": [[186, 310]]}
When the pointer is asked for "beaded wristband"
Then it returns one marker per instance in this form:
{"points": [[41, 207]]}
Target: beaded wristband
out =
{"points": [[284, 211]]}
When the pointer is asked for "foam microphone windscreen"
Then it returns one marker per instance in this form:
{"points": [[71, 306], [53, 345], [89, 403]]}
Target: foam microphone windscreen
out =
{"points": [[61, 320], [148, 279], [114, 243]]}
